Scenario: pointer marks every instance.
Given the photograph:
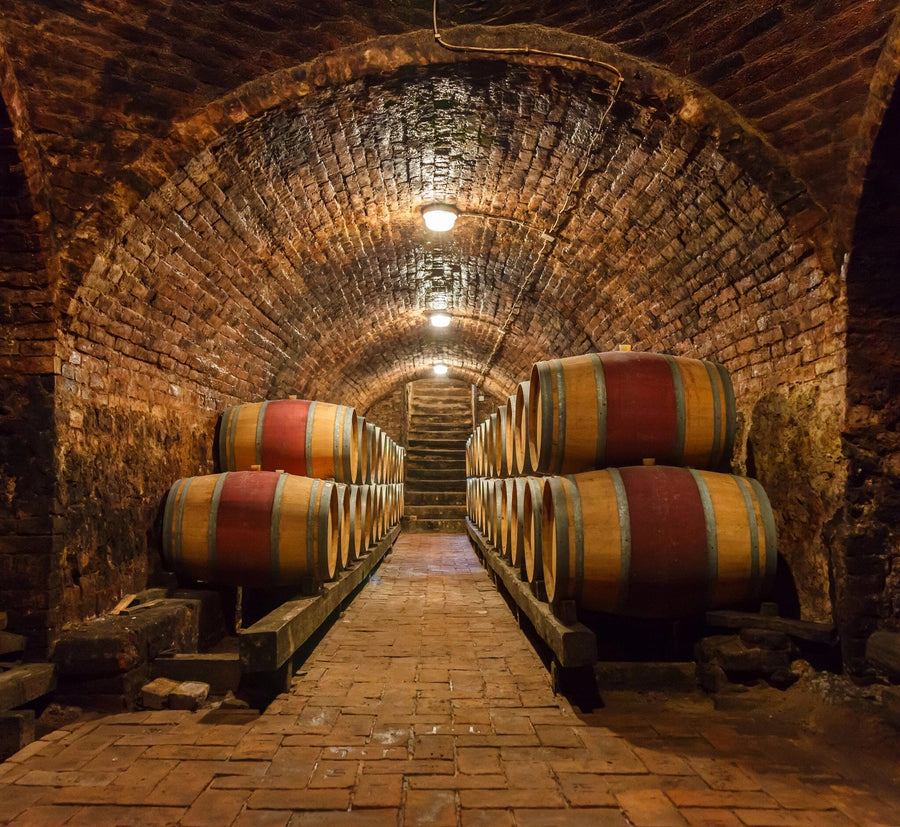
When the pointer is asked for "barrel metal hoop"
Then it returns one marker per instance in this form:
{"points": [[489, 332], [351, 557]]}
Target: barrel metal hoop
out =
{"points": [[579, 537], [312, 558], [232, 441], [260, 422], [224, 433], [730, 413], [562, 540], [310, 419], [169, 517], [624, 535], [213, 519], [275, 528], [560, 430], [712, 541], [336, 432], [602, 411], [716, 453], [324, 512], [755, 579], [768, 520], [546, 391], [678, 384]]}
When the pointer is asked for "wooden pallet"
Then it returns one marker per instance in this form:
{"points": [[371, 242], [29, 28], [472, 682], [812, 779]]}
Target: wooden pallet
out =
{"points": [[573, 645], [267, 647]]}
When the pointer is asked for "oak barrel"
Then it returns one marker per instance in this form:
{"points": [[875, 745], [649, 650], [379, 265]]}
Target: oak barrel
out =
{"points": [[619, 408], [303, 437], [252, 528], [657, 541]]}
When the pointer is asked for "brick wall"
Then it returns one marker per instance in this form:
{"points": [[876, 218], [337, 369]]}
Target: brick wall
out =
{"points": [[270, 242]]}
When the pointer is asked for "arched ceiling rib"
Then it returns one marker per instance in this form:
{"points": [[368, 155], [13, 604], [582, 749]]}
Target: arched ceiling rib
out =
{"points": [[296, 235]]}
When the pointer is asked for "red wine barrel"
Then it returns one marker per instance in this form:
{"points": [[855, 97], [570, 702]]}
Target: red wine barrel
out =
{"points": [[252, 528], [616, 409], [302, 437], [657, 542]]}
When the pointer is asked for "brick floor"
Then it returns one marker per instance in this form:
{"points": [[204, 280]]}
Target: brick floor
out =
{"points": [[425, 704]]}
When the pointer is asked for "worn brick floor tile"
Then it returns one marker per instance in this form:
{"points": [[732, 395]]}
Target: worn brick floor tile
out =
{"points": [[611, 754], [586, 789], [793, 794], [45, 816], [708, 817], [321, 799], [794, 818], [729, 799], [114, 758], [723, 775], [506, 799], [411, 766], [863, 808], [625, 783], [433, 807], [14, 799], [214, 808], [110, 794], [354, 818], [433, 746], [181, 752], [649, 808], [117, 816], [478, 760], [457, 782], [334, 774], [144, 772], [606, 817], [529, 774], [257, 747], [263, 818], [663, 762], [557, 736], [66, 778], [378, 791], [487, 818]]}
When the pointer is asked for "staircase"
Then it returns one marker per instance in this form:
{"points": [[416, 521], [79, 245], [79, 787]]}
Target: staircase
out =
{"points": [[440, 421]]}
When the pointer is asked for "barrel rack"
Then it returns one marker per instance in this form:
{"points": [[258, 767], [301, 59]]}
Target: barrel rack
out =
{"points": [[268, 648], [573, 646]]}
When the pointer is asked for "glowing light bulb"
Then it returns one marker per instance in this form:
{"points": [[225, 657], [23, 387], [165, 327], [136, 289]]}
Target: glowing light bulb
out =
{"points": [[440, 320], [439, 218], [440, 369]]}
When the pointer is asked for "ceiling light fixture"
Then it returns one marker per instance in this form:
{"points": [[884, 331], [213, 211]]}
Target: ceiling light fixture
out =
{"points": [[440, 369], [439, 218], [440, 320]]}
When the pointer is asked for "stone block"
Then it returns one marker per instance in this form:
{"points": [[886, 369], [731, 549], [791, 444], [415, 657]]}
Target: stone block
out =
{"points": [[16, 731], [221, 671], [11, 643], [883, 650], [890, 702], [155, 695], [188, 695]]}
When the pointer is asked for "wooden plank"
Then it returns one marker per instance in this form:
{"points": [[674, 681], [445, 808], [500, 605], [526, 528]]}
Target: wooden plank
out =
{"points": [[23, 684], [801, 629], [267, 644], [574, 645]]}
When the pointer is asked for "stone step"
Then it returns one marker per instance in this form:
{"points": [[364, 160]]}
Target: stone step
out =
{"points": [[436, 498], [447, 526], [427, 468], [435, 424], [437, 442], [435, 512], [415, 486]]}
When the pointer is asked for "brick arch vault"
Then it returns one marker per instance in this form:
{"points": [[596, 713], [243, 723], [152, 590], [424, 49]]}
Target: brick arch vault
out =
{"points": [[273, 245]]}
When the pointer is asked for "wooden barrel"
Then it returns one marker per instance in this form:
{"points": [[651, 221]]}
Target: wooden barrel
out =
{"points": [[505, 517], [532, 529], [355, 524], [344, 505], [367, 505], [516, 523], [509, 449], [498, 447], [302, 437], [252, 528], [657, 542], [616, 409], [363, 444], [522, 454]]}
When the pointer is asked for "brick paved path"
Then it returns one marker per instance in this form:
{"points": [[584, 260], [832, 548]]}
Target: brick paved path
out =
{"points": [[424, 704]]}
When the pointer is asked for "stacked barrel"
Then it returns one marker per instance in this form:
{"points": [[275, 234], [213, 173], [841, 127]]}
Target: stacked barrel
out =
{"points": [[306, 488], [620, 504]]}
